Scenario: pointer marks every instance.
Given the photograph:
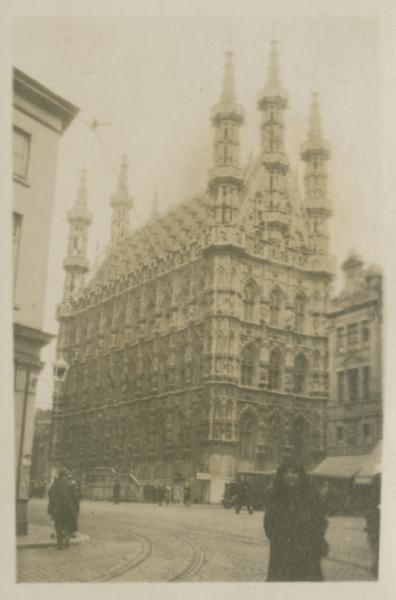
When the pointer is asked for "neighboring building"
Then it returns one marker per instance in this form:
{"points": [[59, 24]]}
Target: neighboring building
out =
{"points": [[198, 347], [40, 472], [39, 119], [354, 412]]}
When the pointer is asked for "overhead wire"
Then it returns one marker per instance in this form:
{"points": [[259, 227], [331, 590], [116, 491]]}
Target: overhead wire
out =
{"points": [[94, 131]]}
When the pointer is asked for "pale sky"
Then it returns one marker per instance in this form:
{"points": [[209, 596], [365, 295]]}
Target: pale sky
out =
{"points": [[155, 80]]}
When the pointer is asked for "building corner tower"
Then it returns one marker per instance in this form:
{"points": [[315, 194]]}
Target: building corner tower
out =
{"points": [[225, 177], [76, 266]]}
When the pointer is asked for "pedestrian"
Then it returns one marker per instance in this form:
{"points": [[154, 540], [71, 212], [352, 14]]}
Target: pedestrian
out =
{"points": [[76, 500], [243, 498], [325, 497], [160, 494], [61, 507], [187, 495], [167, 494], [295, 524], [42, 489], [373, 520], [116, 492]]}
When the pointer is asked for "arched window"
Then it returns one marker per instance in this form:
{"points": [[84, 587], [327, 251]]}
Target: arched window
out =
{"points": [[161, 439], [274, 377], [299, 312], [248, 364], [162, 380], [275, 307], [148, 374], [229, 410], [249, 301], [247, 434], [220, 342], [221, 277], [197, 366], [316, 360], [230, 344], [300, 374]]}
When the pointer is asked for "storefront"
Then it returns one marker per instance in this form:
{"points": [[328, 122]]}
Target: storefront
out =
{"points": [[338, 473]]}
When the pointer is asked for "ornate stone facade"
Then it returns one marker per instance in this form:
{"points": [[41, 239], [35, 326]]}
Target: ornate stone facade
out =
{"points": [[354, 414], [198, 347]]}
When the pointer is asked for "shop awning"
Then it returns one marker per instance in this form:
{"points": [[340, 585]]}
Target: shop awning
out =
{"points": [[372, 467], [341, 467]]}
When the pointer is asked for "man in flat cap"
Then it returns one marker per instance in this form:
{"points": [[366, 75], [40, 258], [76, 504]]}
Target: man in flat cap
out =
{"points": [[62, 508]]}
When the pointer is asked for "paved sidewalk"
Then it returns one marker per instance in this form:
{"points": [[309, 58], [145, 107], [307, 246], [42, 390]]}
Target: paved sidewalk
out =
{"points": [[39, 536]]}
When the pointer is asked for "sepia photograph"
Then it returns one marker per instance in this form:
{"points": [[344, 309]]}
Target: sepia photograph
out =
{"points": [[197, 298]]}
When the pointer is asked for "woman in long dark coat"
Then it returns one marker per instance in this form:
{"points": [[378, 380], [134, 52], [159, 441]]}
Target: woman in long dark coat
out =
{"points": [[295, 524]]}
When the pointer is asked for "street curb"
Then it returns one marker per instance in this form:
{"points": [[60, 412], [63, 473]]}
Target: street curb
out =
{"points": [[52, 544]]}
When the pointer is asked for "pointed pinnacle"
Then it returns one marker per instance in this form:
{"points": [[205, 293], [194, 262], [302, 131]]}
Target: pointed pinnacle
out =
{"points": [[273, 64], [315, 142], [228, 90], [123, 176], [315, 125], [273, 87]]}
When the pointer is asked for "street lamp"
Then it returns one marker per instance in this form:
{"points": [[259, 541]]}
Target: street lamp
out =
{"points": [[60, 370]]}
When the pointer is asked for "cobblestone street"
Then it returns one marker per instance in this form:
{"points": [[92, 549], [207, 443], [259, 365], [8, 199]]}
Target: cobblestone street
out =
{"points": [[145, 542]]}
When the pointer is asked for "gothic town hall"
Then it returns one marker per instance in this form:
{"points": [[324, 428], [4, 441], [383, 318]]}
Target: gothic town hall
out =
{"points": [[198, 347]]}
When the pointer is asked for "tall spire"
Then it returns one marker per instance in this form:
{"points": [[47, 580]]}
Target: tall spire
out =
{"points": [[122, 186], [225, 177], [315, 137], [315, 152], [228, 90], [315, 145], [273, 64], [121, 203], [227, 117], [273, 87], [80, 208], [76, 263], [272, 102]]}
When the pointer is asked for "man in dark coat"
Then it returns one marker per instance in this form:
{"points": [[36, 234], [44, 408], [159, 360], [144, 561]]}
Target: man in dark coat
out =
{"points": [[187, 494], [76, 500], [295, 524], [243, 498], [160, 494], [62, 508]]}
